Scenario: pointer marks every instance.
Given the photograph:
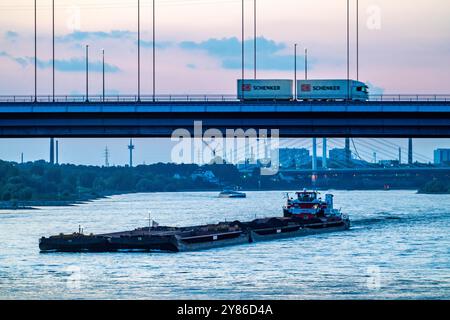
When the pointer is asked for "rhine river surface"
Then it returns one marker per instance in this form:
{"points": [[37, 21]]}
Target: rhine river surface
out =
{"points": [[398, 248]]}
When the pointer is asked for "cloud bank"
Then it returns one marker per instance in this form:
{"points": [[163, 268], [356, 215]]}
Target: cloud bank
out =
{"points": [[271, 54], [62, 65]]}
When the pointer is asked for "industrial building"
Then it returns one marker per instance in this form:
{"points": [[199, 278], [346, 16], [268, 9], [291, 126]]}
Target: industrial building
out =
{"points": [[294, 157], [442, 157]]}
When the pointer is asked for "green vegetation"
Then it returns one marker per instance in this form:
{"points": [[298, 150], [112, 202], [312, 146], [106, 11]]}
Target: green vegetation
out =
{"points": [[436, 187], [40, 181]]}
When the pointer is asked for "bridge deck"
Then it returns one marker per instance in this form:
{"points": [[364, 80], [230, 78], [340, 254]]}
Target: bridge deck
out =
{"points": [[160, 119], [223, 107]]}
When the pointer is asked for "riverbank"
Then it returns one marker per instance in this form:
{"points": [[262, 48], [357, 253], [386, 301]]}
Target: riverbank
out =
{"points": [[39, 184], [35, 204]]}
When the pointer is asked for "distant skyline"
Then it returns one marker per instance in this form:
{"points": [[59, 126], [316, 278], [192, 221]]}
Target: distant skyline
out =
{"points": [[404, 48], [148, 151]]}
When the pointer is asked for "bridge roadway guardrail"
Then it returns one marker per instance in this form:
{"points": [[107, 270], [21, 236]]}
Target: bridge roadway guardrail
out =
{"points": [[196, 98]]}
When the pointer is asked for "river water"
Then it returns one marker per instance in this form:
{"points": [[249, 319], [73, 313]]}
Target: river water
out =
{"points": [[398, 248]]}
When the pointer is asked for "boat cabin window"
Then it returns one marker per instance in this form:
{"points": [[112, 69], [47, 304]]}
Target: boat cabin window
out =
{"points": [[307, 197]]}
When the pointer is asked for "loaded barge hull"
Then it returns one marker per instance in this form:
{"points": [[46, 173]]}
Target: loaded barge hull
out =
{"points": [[167, 239]]}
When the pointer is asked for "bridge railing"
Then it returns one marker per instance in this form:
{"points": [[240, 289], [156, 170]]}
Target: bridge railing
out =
{"points": [[196, 98], [411, 97], [120, 98]]}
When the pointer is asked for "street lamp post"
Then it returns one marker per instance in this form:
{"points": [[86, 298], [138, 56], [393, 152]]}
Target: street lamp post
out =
{"points": [[348, 49], [35, 51], [243, 48], [103, 74], [255, 35], [357, 40], [306, 64], [243, 45], [87, 73], [154, 51], [295, 70], [139, 50], [53, 48]]}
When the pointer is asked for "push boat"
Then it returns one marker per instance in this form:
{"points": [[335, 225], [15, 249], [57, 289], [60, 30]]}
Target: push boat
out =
{"points": [[304, 214]]}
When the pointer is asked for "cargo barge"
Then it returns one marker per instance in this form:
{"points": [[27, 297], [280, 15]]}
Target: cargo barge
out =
{"points": [[305, 214]]}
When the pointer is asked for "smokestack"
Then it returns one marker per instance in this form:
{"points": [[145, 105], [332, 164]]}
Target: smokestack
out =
{"points": [[52, 150], [314, 157], [400, 155], [314, 163], [57, 152], [348, 154], [410, 151], [324, 155]]}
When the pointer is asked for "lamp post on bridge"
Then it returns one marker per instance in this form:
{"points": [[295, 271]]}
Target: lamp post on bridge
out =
{"points": [[295, 71], [154, 51], [35, 51], [243, 39], [255, 35], [53, 48], [87, 73], [103, 75], [348, 50], [357, 40], [139, 50], [306, 64]]}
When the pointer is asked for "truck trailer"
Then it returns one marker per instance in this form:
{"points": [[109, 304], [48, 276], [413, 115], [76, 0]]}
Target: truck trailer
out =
{"points": [[256, 90], [332, 90]]}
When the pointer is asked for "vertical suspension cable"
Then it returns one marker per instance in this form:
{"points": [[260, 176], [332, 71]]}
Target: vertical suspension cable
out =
{"points": [[53, 50], [35, 51], [255, 35]]}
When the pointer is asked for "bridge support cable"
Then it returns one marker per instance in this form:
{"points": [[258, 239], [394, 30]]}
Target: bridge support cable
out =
{"points": [[372, 147], [393, 146], [343, 163], [380, 149]]}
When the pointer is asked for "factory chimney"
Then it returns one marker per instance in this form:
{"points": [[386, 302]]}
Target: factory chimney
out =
{"points": [[410, 151], [314, 157], [52, 150], [314, 163], [348, 153], [324, 155], [57, 152]]}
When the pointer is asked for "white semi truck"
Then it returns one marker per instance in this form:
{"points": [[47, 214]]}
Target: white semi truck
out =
{"points": [[307, 90]]}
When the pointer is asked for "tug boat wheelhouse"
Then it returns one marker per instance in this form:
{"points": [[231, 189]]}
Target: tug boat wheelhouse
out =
{"points": [[308, 206], [305, 214]]}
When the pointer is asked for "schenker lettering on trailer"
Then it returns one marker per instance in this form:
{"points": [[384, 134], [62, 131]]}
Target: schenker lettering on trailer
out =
{"points": [[267, 88], [326, 88]]}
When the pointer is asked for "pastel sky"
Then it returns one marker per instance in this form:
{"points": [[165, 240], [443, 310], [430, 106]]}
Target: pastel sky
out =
{"points": [[404, 45]]}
